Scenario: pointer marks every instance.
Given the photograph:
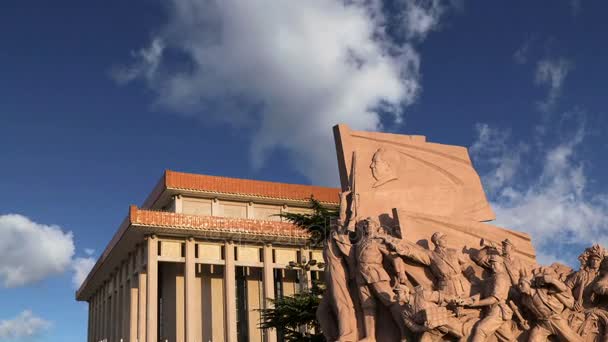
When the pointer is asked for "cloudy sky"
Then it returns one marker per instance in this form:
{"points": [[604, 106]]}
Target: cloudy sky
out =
{"points": [[98, 98]]}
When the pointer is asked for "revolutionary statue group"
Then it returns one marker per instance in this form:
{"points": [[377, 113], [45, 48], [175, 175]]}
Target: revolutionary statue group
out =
{"points": [[382, 285]]}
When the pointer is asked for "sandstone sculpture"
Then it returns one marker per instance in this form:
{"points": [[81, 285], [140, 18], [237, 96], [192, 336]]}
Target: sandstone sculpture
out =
{"points": [[478, 282]]}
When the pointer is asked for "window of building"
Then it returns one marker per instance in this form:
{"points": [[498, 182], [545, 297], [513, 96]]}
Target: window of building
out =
{"points": [[196, 206], [242, 313], [234, 209], [266, 212], [279, 293]]}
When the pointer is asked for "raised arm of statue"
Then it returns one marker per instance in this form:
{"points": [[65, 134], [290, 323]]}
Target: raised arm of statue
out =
{"points": [[464, 260], [557, 284], [348, 252], [412, 251], [343, 208]]}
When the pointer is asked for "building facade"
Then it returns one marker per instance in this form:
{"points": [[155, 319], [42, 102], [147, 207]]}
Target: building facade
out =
{"points": [[198, 260]]}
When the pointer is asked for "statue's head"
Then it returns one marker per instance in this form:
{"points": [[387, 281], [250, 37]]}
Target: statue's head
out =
{"points": [[507, 247], [541, 276], [496, 263], [439, 239], [384, 164], [369, 226], [403, 294], [525, 285], [592, 257]]}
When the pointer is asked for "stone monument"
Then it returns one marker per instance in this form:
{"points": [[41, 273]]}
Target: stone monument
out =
{"points": [[412, 257]]}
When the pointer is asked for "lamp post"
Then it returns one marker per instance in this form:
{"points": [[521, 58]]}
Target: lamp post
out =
{"points": [[303, 267]]}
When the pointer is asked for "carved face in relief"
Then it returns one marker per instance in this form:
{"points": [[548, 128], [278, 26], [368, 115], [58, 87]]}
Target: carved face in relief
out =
{"points": [[370, 227], [507, 247], [384, 165], [524, 286], [497, 265], [403, 294], [440, 240], [596, 252], [594, 262]]}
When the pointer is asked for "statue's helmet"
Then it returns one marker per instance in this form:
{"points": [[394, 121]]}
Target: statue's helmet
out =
{"points": [[595, 251], [436, 237], [507, 242]]}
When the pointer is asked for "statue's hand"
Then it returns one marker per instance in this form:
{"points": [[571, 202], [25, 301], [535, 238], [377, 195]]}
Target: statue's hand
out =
{"points": [[457, 301], [345, 194], [402, 277], [442, 329], [467, 301]]}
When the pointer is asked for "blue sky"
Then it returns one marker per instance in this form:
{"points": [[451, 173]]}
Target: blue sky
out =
{"points": [[98, 99]]}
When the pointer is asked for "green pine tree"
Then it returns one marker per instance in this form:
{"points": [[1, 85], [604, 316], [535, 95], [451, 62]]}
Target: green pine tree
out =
{"points": [[290, 313]]}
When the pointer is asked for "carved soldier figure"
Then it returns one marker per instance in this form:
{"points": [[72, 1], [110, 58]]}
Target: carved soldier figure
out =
{"points": [[338, 255], [514, 267], [581, 280], [372, 279], [446, 264], [497, 318], [548, 299], [584, 320], [420, 305], [600, 288]]}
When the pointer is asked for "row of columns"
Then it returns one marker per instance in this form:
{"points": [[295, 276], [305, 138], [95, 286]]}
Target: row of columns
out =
{"points": [[125, 308], [113, 308]]}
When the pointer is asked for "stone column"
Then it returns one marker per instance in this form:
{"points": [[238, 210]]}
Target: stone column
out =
{"points": [[215, 207], [268, 279], [90, 325], [152, 287], [126, 300], [117, 306], [98, 315], [132, 269], [189, 284], [114, 312], [104, 322], [230, 291], [93, 317], [178, 203], [142, 280], [250, 211], [142, 307]]}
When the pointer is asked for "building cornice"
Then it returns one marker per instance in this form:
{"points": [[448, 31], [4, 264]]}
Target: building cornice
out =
{"points": [[247, 228], [140, 222], [273, 191]]}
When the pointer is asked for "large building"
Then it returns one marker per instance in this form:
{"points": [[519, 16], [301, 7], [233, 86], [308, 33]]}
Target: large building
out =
{"points": [[198, 259]]}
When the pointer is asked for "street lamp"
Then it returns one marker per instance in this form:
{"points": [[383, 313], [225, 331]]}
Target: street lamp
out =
{"points": [[303, 267]]}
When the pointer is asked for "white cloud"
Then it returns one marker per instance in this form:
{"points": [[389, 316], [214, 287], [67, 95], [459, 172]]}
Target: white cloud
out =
{"points": [[554, 206], [286, 70], [148, 60], [522, 54], [422, 17], [89, 251], [81, 268], [26, 324], [31, 251], [491, 148], [551, 73]]}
